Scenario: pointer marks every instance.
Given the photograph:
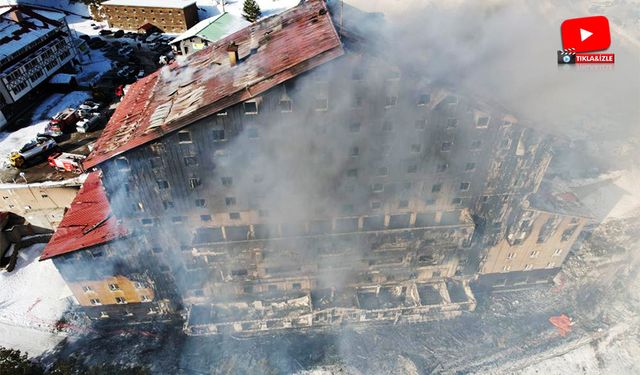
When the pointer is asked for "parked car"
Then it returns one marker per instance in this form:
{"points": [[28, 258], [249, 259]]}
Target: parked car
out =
{"points": [[140, 73], [106, 32], [89, 123], [126, 50], [96, 43], [32, 152], [89, 105], [125, 71]]}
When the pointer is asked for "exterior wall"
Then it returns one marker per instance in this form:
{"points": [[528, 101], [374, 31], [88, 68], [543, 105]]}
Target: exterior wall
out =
{"points": [[46, 56], [131, 291], [169, 20], [537, 240], [89, 273], [191, 45], [40, 205], [401, 163], [227, 214]]}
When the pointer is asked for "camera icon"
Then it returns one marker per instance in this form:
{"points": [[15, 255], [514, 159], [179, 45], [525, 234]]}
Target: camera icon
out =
{"points": [[566, 57]]}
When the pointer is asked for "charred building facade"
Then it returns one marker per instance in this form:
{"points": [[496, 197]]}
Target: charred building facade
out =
{"points": [[277, 180]]}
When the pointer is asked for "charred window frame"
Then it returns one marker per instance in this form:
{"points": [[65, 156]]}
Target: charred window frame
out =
{"points": [[218, 134], [184, 136], [423, 99], [377, 188], [250, 107], [190, 161], [482, 122], [194, 182], [286, 105], [122, 164]]}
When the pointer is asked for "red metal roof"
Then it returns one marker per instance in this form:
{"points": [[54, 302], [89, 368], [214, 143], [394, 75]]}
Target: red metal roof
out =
{"points": [[271, 51], [88, 222]]}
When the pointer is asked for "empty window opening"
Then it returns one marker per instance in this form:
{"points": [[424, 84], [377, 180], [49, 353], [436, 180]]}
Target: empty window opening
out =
{"points": [[321, 104], [424, 99], [122, 164], [286, 105], [250, 107], [184, 136], [218, 135]]}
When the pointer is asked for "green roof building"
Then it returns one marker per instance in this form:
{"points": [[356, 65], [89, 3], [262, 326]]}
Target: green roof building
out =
{"points": [[207, 32]]}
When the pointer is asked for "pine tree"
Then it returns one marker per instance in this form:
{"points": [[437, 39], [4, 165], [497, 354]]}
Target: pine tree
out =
{"points": [[251, 10]]}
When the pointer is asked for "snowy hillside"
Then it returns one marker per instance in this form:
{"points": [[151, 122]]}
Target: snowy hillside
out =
{"points": [[32, 299]]}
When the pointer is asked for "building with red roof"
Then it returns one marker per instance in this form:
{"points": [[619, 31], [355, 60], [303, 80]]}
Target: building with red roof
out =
{"points": [[89, 221], [280, 178]]}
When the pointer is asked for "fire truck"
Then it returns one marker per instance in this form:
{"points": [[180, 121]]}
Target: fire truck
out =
{"points": [[67, 162]]}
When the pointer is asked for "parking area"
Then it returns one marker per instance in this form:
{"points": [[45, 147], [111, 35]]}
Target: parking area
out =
{"points": [[133, 54]]}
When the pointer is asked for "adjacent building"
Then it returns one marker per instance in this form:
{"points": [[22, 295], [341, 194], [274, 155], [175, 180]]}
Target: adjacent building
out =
{"points": [[84, 249], [42, 204], [169, 16], [207, 32], [279, 179], [34, 45]]}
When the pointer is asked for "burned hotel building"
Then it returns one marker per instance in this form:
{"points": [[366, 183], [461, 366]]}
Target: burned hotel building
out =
{"points": [[281, 178]]}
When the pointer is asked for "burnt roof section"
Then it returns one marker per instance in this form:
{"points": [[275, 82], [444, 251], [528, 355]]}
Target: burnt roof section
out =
{"points": [[88, 222], [271, 51], [550, 199]]}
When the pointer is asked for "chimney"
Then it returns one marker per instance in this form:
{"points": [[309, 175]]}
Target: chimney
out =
{"points": [[232, 50]]}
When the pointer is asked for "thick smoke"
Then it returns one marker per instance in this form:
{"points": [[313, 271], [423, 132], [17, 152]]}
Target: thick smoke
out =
{"points": [[502, 53]]}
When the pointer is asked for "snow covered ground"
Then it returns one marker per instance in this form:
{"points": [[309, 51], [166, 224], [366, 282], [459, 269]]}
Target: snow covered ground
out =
{"points": [[32, 298], [208, 8], [618, 357]]}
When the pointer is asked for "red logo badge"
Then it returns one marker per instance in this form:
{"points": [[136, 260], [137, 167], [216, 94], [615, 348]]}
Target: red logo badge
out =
{"points": [[586, 34]]}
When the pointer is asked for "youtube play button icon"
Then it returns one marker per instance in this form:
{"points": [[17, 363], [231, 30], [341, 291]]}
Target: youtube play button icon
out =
{"points": [[586, 34]]}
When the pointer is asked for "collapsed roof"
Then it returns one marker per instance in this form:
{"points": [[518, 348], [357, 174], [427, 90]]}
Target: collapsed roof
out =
{"points": [[271, 51]]}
